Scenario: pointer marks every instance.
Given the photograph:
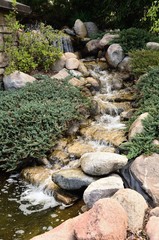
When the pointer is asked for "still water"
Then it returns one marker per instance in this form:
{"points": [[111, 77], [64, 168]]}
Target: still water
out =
{"points": [[25, 211]]}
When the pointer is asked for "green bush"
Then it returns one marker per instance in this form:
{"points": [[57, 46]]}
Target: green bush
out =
{"points": [[148, 93], [134, 38], [144, 60], [32, 118], [33, 50]]}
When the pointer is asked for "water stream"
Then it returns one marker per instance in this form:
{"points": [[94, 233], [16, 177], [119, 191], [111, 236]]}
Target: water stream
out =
{"points": [[25, 209]]}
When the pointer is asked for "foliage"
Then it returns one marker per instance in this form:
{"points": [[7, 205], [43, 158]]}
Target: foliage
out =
{"points": [[134, 38], [32, 118], [31, 49], [107, 13], [143, 60], [148, 93], [153, 15]]}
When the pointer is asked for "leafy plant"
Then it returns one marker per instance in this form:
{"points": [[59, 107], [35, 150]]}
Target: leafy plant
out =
{"points": [[32, 119], [148, 92], [143, 60], [152, 15], [134, 39]]}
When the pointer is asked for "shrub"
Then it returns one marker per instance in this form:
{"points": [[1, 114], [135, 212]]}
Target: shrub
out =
{"points": [[148, 92], [32, 118], [33, 49], [143, 60], [134, 38]]}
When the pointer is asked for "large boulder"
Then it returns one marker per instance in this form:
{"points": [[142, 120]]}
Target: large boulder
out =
{"points": [[114, 55], [72, 179], [93, 46], [137, 126], [80, 28], [101, 163], [152, 228], [135, 206], [146, 170], [102, 188], [91, 28], [107, 38], [106, 220], [17, 80], [125, 65]]}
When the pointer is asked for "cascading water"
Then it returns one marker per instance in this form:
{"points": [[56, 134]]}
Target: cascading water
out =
{"points": [[27, 210]]}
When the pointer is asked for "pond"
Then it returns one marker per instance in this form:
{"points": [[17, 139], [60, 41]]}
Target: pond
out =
{"points": [[26, 211]]}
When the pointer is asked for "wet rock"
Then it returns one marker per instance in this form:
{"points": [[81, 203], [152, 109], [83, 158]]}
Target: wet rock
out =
{"points": [[100, 133], [107, 38], [106, 220], [91, 28], [102, 188], [61, 155], [72, 63], [80, 28], [122, 96], [146, 170], [17, 80], [62, 74], [59, 64], [152, 45], [134, 205], [72, 179], [102, 163], [137, 126], [114, 55], [75, 73], [152, 228], [92, 81], [83, 69], [126, 115], [125, 65]]}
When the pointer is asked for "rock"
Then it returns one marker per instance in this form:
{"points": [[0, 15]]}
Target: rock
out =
{"points": [[146, 170], [64, 231], [17, 80], [93, 46], [59, 64], [62, 74], [3, 60], [152, 45], [106, 220], [125, 65], [83, 69], [122, 96], [134, 205], [107, 38], [101, 163], [102, 188], [114, 55], [41, 176], [80, 28], [100, 133], [72, 63], [2, 71], [92, 81], [70, 55], [152, 228], [75, 73], [72, 179], [91, 28], [77, 82], [154, 212], [126, 115], [137, 126]]}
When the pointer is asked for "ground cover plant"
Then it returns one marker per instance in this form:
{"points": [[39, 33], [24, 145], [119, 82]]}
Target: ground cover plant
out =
{"points": [[32, 118], [148, 95]]}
